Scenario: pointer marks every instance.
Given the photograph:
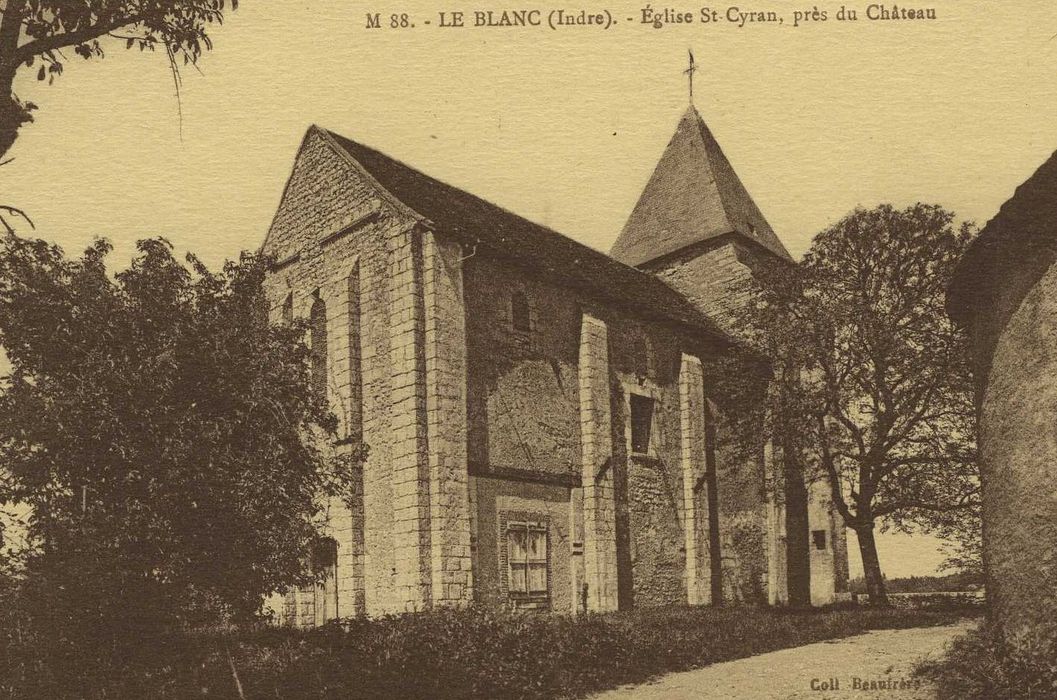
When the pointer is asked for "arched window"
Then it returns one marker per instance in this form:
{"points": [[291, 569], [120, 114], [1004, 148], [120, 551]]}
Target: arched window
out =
{"points": [[317, 321], [325, 562], [355, 384], [520, 312]]}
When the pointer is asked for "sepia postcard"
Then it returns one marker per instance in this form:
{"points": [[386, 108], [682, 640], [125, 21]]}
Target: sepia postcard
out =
{"points": [[434, 349]]}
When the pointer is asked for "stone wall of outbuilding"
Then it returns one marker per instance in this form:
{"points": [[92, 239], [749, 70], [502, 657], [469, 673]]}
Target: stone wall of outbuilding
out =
{"points": [[1015, 347]]}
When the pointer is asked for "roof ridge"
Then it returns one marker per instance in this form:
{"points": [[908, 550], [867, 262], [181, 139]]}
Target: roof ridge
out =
{"points": [[480, 199], [457, 212]]}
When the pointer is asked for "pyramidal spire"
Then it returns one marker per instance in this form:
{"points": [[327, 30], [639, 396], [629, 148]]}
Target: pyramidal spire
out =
{"points": [[693, 196]]}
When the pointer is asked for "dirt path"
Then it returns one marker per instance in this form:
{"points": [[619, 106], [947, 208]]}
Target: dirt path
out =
{"points": [[823, 671]]}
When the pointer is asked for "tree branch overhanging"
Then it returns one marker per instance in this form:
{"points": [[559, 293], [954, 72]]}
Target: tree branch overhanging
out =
{"points": [[36, 47]]}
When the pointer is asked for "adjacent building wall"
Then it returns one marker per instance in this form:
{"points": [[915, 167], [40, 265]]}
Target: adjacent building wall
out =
{"points": [[1015, 346]]}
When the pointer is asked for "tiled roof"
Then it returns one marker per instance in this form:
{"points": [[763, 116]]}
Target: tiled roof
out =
{"points": [[694, 195], [544, 250], [1019, 233]]}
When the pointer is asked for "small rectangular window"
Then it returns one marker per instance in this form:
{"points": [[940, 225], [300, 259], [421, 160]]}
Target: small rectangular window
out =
{"points": [[527, 559], [819, 538], [641, 423], [520, 312]]}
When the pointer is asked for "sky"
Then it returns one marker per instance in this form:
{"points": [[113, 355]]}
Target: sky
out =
{"points": [[563, 128]]}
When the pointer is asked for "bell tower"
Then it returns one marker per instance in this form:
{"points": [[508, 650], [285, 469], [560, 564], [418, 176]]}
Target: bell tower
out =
{"points": [[696, 227]]}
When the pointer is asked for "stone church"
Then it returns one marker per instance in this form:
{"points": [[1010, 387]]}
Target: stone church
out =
{"points": [[542, 432]]}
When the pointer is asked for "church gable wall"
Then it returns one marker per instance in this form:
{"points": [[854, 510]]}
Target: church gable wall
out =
{"points": [[335, 238], [325, 196]]}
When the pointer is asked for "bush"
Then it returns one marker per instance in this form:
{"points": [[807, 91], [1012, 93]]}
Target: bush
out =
{"points": [[441, 654], [952, 602], [979, 666]]}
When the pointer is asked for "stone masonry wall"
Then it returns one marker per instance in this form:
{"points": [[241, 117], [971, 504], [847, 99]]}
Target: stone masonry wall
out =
{"points": [[410, 451], [716, 276], [523, 391], [445, 351], [693, 462], [496, 496], [1016, 345], [525, 423], [646, 361], [396, 377], [711, 275], [822, 561], [326, 241], [599, 503]]}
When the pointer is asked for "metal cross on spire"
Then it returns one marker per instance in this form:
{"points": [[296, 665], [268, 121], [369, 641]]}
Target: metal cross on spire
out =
{"points": [[690, 73]]}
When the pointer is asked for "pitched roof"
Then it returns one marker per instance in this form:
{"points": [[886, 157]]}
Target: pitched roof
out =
{"points": [[508, 235], [1019, 235], [694, 195]]}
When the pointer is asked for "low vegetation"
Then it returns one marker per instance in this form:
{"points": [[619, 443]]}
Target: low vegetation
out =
{"points": [[442, 654], [958, 582], [980, 667]]}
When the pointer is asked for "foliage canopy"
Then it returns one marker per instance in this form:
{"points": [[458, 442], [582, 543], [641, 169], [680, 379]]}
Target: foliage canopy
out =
{"points": [[164, 435], [873, 390], [33, 34]]}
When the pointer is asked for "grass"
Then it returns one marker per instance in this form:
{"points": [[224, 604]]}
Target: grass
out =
{"points": [[474, 653], [979, 666]]}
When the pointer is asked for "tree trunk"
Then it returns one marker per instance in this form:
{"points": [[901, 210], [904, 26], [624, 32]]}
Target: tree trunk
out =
{"points": [[715, 554], [13, 114], [794, 493], [798, 552], [875, 585]]}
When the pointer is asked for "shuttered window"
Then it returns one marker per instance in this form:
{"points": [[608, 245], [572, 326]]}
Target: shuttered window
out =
{"points": [[525, 557]]}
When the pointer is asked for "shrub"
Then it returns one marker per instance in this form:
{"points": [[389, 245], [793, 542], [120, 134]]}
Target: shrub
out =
{"points": [[470, 653], [938, 601], [979, 666]]}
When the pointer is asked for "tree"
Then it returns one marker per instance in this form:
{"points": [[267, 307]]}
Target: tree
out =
{"points": [[163, 433], [873, 391], [33, 34], [963, 545]]}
